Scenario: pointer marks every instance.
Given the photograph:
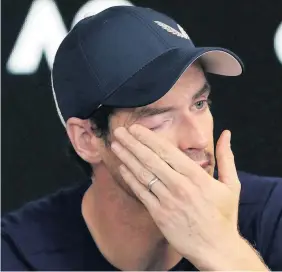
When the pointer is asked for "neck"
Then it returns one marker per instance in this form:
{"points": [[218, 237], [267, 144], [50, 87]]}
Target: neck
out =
{"points": [[122, 228]]}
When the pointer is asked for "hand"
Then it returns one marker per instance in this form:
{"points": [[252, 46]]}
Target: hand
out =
{"points": [[196, 213]]}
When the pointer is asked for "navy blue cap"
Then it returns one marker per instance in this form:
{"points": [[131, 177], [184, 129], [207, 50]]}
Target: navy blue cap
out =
{"points": [[124, 57]]}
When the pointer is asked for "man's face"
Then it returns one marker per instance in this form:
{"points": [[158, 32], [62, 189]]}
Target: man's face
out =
{"points": [[182, 116]]}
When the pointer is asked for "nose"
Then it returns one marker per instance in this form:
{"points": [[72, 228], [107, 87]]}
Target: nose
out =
{"points": [[194, 134]]}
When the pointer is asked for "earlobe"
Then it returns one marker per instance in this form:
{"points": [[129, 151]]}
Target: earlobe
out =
{"points": [[83, 140]]}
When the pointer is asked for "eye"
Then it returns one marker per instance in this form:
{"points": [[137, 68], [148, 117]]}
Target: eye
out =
{"points": [[159, 126], [155, 128], [202, 103]]}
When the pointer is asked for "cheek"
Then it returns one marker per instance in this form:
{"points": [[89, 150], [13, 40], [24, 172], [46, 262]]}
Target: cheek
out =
{"points": [[206, 120], [110, 165], [109, 159], [209, 126]]}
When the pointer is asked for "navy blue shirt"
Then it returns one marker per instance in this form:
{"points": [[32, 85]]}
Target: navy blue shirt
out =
{"points": [[50, 233]]}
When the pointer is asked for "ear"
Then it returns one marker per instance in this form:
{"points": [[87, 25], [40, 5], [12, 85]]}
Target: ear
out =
{"points": [[83, 139]]}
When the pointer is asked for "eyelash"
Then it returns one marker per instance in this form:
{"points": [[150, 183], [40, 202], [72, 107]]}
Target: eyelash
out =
{"points": [[207, 101], [155, 128]]}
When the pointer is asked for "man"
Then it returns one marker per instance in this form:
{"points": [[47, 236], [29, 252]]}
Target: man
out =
{"points": [[130, 88]]}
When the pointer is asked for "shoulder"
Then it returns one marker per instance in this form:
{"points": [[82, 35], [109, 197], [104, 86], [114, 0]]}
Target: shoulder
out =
{"points": [[260, 215], [257, 189], [42, 226]]}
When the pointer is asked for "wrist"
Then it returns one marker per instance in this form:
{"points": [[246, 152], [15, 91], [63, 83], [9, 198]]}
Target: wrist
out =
{"points": [[234, 254]]}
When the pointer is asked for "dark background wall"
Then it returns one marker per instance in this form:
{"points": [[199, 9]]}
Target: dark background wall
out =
{"points": [[34, 160]]}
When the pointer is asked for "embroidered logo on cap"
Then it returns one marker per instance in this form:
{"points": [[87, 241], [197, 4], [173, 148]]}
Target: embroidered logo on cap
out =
{"points": [[173, 31]]}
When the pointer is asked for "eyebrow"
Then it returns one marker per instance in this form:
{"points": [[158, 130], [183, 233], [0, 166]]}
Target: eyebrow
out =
{"points": [[147, 112], [206, 89]]}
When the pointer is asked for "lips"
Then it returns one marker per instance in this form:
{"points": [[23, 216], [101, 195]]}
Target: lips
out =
{"points": [[204, 164]]}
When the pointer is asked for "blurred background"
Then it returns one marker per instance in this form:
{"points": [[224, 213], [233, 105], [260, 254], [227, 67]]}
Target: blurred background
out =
{"points": [[34, 143]]}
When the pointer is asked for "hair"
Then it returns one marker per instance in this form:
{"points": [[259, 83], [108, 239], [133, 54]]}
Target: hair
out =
{"points": [[100, 125]]}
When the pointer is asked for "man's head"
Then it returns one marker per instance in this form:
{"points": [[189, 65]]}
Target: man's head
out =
{"points": [[182, 116], [141, 67]]}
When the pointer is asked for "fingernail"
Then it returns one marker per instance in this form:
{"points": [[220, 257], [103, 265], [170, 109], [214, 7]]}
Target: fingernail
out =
{"points": [[122, 168], [132, 128], [118, 132], [229, 132], [116, 147]]}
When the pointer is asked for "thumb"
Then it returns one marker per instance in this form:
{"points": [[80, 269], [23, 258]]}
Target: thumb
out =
{"points": [[227, 172]]}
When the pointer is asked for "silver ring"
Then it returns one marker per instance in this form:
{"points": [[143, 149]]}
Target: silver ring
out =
{"points": [[150, 184]]}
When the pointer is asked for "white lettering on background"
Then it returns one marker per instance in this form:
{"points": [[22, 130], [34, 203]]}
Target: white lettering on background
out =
{"points": [[278, 42], [44, 30]]}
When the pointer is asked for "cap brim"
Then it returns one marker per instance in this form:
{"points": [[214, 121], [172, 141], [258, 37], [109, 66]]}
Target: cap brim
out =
{"points": [[220, 61], [156, 78]]}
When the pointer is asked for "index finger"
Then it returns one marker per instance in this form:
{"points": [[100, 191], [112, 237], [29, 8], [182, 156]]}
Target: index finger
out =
{"points": [[175, 158]]}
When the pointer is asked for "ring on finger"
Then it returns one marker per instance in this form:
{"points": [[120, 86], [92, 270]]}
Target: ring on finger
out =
{"points": [[150, 184]]}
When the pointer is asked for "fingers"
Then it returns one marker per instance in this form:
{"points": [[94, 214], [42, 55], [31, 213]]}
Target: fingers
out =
{"points": [[131, 162], [165, 150], [227, 172], [148, 161], [148, 199], [140, 173]]}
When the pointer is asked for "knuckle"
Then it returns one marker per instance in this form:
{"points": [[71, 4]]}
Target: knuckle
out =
{"points": [[230, 155], [163, 153], [181, 191], [131, 144], [170, 205], [122, 153], [144, 175], [148, 162], [136, 132], [141, 195]]}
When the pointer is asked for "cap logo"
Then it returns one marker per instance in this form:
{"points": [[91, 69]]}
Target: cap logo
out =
{"points": [[181, 34]]}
